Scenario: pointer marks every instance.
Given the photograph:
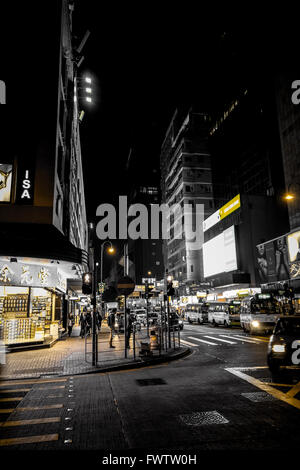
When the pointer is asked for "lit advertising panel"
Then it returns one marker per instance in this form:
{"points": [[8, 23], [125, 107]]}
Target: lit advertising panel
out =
{"points": [[5, 182], [219, 253], [221, 213], [293, 241]]}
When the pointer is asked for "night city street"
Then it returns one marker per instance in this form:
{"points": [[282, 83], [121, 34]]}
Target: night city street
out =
{"points": [[149, 235]]}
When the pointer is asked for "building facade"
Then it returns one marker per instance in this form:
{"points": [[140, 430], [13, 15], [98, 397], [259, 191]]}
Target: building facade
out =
{"points": [[186, 179], [288, 105], [43, 230]]}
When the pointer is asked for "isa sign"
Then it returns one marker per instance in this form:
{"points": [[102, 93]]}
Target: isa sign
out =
{"points": [[2, 92]]}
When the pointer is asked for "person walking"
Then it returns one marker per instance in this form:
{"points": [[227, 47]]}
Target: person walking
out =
{"points": [[129, 328], [88, 322], [111, 323], [82, 322], [98, 321], [70, 324]]}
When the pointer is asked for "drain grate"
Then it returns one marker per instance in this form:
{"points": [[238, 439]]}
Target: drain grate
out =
{"points": [[145, 382], [258, 397], [203, 418]]}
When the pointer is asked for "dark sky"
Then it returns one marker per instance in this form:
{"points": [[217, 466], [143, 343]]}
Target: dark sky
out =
{"points": [[145, 62]]}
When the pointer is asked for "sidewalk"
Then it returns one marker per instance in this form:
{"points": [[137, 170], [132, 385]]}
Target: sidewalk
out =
{"points": [[68, 357]]}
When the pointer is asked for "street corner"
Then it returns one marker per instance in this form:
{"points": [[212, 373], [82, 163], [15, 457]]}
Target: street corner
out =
{"points": [[283, 386]]}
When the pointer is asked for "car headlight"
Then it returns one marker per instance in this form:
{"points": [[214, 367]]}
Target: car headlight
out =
{"points": [[255, 324], [278, 347]]}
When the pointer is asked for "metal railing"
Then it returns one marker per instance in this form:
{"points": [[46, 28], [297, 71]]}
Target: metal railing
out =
{"points": [[161, 340]]}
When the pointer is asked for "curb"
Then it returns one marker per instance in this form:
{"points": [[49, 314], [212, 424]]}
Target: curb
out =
{"points": [[136, 365], [125, 366]]}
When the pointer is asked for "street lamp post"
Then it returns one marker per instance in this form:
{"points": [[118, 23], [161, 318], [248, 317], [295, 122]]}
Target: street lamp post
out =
{"points": [[110, 250], [95, 289]]}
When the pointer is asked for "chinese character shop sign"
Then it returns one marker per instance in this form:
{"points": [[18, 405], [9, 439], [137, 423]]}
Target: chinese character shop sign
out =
{"points": [[31, 275]]}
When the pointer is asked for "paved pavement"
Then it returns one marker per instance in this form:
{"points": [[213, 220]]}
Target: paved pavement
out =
{"points": [[73, 355]]}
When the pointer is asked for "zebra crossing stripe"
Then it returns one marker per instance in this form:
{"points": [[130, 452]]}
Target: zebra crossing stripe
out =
{"points": [[219, 339], [240, 339], [255, 339], [203, 341], [188, 343]]}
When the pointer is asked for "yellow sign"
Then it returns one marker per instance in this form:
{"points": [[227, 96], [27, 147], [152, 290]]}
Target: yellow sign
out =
{"points": [[230, 207]]}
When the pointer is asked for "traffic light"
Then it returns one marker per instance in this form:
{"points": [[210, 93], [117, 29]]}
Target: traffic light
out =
{"points": [[87, 283]]}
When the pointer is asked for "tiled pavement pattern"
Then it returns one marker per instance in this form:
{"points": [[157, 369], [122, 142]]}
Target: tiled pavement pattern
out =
{"points": [[68, 357]]}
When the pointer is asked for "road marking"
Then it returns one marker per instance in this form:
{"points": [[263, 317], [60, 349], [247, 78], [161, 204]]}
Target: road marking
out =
{"points": [[50, 388], [279, 385], [203, 341], [219, 339], [254, 339], [46, 407], [239, 339], [25, 382], [294, 390], [11, 399], [16, 390], [188, 343], [28, 440], [24, 422], [7, 410], [262, 386]]}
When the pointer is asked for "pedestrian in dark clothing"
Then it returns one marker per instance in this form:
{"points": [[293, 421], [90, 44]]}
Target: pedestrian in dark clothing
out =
{"points": [[70, 324], [129, 328], [98, 321], [111, 323], [82, 322], [88, 323]]}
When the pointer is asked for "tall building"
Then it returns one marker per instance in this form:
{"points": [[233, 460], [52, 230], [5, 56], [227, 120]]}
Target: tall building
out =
{"points": [[289, 126], [246, 161], [145, 255], [43, 229], [245, 145], [185, 179]]}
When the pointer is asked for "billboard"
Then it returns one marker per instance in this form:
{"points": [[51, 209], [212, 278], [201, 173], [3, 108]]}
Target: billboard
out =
{"points": [[219, 253], [293, 242], [276, 260], [221, 213], [5, 181]]}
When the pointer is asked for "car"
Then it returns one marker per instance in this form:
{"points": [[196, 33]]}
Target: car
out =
{"points": [[141, 316], [284, 344], [176, 321]]}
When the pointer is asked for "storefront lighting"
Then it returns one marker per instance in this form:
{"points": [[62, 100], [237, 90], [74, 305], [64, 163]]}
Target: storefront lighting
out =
{"points": [[255, 324]]}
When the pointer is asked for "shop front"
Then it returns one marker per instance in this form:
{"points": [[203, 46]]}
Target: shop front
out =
{"points": [[31, 303]]}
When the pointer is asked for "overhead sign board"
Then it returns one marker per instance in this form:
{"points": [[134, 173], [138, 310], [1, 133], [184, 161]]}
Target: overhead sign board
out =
{"points": [[221, 213], [126, 285], [25, 185]]}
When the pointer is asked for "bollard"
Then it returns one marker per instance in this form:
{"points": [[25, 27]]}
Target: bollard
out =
{"points": [[153, 339]]}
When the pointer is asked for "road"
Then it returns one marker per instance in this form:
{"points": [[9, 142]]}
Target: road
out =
{"points": [[220, 398]]}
